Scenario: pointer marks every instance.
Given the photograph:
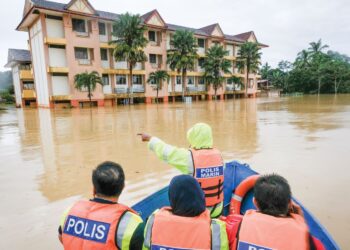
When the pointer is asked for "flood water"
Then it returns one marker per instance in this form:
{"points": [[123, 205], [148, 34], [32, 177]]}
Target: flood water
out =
{"points": [[46, 156]]}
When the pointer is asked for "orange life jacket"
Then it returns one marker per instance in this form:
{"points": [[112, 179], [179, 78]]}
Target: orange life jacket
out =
{"points": [[264, 232], [209, 172], [90, 225], [168, 231]]}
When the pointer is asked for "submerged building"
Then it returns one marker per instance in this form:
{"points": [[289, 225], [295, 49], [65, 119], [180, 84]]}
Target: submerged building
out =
{"points": [[67, 39]]}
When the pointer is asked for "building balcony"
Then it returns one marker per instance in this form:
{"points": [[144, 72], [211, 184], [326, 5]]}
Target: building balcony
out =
{"points": [[28, 94], [84, 62], [105, 45], [123, 72], [55, 41], [57, 70], [61, 98], [25, 74]]}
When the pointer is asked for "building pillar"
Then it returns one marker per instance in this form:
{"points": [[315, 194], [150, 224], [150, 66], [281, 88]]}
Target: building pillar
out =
{"points": [[148, 100], [52, 104], [222, 97], [166, 99], [74, 103], [101, 103], [210, 97]]}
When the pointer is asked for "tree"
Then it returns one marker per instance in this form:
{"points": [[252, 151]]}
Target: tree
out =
{"points": [[264, 71], [338, 71], [157, 78], [87, 81], [236, 81], [214, 64], [303, 59], [183, 54], [130, 43], [317, 47], [249, 57]]}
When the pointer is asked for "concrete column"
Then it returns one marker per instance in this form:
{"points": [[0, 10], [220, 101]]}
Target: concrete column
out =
{"points": [[101, 103], [74, 103], [148, 100], [166, 99]]}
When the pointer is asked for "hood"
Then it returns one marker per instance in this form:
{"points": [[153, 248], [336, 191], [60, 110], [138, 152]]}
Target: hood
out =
{"points": [[200, 136], [186, 196]]}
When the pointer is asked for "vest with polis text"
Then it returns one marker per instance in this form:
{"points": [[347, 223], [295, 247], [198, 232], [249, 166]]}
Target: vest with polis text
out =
{"points": [[209, 172], [91, 225], [265, 232]]}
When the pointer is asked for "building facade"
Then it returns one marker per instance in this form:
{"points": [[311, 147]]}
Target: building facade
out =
{"points": [[67, 39]]}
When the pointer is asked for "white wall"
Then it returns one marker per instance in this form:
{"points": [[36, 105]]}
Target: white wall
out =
{"points": [[120, 65], [39, 64], [54, 28], [229, 48], [17, 85], [57, 57], [60, 85]]}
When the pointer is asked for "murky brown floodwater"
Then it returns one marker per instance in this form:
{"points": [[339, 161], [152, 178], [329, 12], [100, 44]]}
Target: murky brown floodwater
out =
{"points": [[47, 156]]}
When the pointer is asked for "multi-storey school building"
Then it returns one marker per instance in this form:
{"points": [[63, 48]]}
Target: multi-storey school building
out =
{"points": [[67, 39]]}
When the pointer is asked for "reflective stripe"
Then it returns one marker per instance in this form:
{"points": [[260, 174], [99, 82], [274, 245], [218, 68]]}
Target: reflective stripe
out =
{"points": [[215, 235], [166, 151], [153, 142], [237, 197], [148, 231], [190, 164], [126, 228]]}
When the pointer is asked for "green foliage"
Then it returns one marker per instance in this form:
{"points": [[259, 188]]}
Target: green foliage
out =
{"points": [[130, 42], [5, 80], [7, 98], [235, 80], [249, 58], [183, 54], [313, 71], [157, 78], [87, 81], [214, 64]]}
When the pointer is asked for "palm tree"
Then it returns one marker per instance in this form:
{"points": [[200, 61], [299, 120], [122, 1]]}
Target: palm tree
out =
{"points": [[183, 54], [236, 81], [249, 58], [264, 71], [130, 43], [157, 78], [214, 64], [303, 59], [317, 47], [87, 81]]}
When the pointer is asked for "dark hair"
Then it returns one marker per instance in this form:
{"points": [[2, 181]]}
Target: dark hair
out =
{"points": [[108, 179], [272, 194]]}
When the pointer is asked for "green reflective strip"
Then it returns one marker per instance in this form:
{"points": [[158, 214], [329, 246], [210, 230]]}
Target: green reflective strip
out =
{"points": [[224, 244], [190, 163], [216, 211], [64, 217], [215, 236], [148, 231], [126, 228], [166, 151]]}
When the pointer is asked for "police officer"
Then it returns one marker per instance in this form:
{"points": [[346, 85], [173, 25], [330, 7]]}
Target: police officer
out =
{"points": [[102, 222], [186, 224], [201, 160]]}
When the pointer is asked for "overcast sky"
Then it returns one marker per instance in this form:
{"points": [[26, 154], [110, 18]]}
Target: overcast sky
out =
{"points": [[287, 26]]}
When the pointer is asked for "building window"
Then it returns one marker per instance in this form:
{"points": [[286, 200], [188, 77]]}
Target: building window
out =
{"points": [[201, 62], [105, 79], [190, 80], [102, 29], [121, 79], [104, 54], [53, 46], [79, 25], [229, 81], [152, 36], [81, 53], [153, 58], [58, 18], [178, 80], [201, 43], [28, 85], [201, 80], [251, 83], [137, 79]]}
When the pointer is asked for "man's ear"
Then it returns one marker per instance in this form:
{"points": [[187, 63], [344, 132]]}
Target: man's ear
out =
{"points": [[255, 203]]}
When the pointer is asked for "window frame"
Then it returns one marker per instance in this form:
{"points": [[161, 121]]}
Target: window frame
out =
{"points": [[103, 77], [118, 78], [80, 48], [198, 43], [102, 58], [137, 77], [155, 36], [155, 56], [99, 29], [74, 27]]}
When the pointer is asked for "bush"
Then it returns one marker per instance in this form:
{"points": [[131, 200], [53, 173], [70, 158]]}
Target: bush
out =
{"points": [[7, 98]]}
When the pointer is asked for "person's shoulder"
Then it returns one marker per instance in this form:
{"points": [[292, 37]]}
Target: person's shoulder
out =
{"points": [[131, 216]]}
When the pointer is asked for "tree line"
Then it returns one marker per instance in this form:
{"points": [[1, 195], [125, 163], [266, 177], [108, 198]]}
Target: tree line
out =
{"points": [[314, 71]]}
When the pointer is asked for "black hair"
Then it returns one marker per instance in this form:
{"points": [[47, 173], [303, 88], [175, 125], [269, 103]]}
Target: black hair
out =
{"points": [[108, 179], [272, 194]]}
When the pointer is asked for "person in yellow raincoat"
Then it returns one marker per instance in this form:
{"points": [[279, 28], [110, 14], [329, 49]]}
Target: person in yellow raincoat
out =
{"points": [[201, 160]]}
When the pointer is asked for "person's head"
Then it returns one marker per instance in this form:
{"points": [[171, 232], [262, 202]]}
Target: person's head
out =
{"points": [[200, 136], [272, 195], [186, 196], [108, 179]]}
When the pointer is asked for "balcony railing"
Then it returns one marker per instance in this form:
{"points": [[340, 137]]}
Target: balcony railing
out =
{"points": [[138, 89], [201, 87], [135, 89], [84, 61], [82, 34], [121, 90], [191, 89]]}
